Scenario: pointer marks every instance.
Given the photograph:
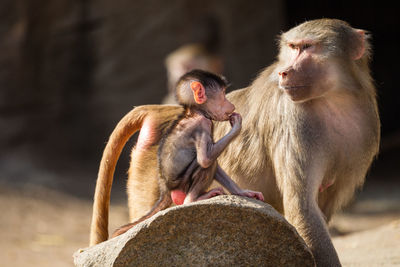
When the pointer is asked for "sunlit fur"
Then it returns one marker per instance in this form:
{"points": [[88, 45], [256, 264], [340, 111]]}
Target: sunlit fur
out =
{"points": [[294, 148], [286, 149]]}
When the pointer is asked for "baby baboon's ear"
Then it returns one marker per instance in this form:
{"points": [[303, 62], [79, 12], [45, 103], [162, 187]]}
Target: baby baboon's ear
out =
{"points": [[199, 92]]}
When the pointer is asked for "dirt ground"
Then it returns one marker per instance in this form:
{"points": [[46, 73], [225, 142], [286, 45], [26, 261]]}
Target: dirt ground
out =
{"points": [[43, 224]]}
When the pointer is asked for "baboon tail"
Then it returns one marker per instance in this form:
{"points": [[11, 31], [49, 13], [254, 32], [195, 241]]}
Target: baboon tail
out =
{"points": [[163, 202], [154, 117], [128, 125]]}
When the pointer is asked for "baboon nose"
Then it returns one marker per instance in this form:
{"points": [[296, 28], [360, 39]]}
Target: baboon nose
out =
{"points": [[283, 74]]}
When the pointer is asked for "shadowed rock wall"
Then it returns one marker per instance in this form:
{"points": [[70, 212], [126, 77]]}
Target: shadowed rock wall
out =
{"points": [[69, 70]]}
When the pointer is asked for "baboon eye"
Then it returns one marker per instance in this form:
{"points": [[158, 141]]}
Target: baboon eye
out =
{"points": [[292, 46], [305, 46]]}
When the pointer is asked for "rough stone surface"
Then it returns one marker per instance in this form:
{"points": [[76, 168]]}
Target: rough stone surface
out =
{"points": [[225, 230]]}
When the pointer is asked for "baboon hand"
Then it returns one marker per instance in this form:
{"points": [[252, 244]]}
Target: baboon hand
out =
{"points": [[236, 122], [252, 194]]}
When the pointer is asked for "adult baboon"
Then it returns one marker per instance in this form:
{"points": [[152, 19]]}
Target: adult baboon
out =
{"points": [[310, 132]]}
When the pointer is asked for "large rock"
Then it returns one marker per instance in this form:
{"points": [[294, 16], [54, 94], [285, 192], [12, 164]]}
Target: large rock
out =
{"points": [[225, 230]]}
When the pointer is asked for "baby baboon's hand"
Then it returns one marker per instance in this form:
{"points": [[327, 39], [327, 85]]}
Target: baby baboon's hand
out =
{"points": [[236, 122]]}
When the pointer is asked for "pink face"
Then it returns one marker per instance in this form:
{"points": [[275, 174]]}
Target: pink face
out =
{"points": [[302, 77], [219, 106]]}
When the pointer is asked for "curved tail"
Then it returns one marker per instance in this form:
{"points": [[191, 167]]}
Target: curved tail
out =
{"points": [[163, 202], [128, 125], [159, 116]]}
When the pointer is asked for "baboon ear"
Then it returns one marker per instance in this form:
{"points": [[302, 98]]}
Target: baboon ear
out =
{"points": [[199, 92], [359, 46]]}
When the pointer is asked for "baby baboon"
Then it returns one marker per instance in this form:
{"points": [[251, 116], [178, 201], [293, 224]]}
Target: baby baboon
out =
{"points": [[187, 154]]}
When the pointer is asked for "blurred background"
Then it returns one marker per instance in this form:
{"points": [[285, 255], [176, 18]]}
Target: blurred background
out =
{"points": [[69, 70]]}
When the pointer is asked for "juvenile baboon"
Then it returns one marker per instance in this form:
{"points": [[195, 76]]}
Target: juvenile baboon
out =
{"points": [[187, 153], [310, 132]]}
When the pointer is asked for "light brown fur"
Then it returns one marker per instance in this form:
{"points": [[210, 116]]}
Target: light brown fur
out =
{"points": [[156, 119], [288, 149]]}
